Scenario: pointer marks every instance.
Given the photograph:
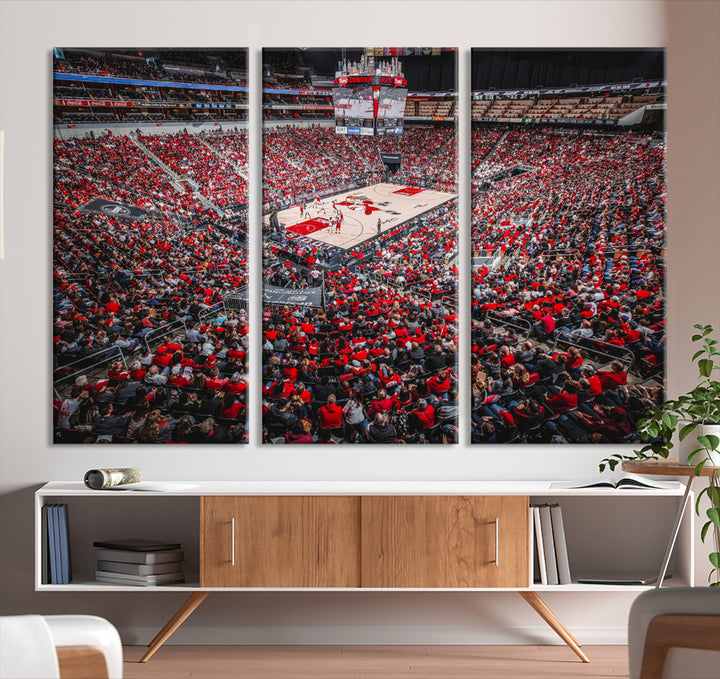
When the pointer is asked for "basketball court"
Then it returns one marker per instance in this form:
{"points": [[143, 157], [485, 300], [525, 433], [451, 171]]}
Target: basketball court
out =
{"points": [[392, 204]]}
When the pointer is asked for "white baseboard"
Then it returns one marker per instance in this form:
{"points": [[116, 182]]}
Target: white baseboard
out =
{"points": [[539, 635]]}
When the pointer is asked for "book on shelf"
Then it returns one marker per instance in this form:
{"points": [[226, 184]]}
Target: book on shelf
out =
{"points": [[550, 553], [56, 562], [64, 540], [137, 545], [141, 580], [616, 481], [549, 545], [561, 551], [139, 568], [45, 559], [129, 556], [53, 545], [624, 579], [539, 548]]}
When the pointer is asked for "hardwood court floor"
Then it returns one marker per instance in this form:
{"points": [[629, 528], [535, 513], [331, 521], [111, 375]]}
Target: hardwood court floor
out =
{"points": [[375, 662], [391, 207]]}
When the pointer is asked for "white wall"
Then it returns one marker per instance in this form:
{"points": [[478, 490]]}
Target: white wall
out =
{"points": [[28, 31]]}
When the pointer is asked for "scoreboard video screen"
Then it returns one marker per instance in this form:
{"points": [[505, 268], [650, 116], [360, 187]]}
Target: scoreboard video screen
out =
{"points": [[369, 105], [391, 110], [353, 109]]}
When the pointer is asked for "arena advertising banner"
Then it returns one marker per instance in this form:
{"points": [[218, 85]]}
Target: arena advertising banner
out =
{"points": [[568, 235], [150, 235], [107, 207], [307, 297], [369, 356]]}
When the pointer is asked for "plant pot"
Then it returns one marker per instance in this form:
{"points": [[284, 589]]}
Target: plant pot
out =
{"points": [[691, 443], [713, 455]]}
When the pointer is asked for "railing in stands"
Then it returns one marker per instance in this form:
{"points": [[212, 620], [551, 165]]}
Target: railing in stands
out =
{"points": [[206, 314], [598, 348], [86, 364], [162, 332], [520, 324]]}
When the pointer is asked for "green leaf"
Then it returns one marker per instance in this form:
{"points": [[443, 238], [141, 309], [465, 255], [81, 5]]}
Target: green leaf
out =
{"points": [[705, 366], [714, 516], [715, 559], [713, 441], [694, 454], [698, 468], [704, 530], [697, 354], [695, 338], [713, 493], [687, 429]]}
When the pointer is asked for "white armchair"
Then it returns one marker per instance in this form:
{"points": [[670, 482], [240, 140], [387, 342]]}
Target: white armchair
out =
{"points": [[674, 633], [59, 647]]}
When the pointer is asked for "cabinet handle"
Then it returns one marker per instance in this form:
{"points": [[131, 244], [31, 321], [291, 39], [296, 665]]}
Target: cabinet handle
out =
{"points": [[497, 541], [232, 541]]}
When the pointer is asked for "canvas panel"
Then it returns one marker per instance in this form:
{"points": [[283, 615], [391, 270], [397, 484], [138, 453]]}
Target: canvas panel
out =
{"points": [[568, 234], [150, 245], [360, 201]]}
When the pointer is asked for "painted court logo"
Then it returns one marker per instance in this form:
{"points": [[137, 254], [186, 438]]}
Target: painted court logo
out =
{"points": [[359, 204]]}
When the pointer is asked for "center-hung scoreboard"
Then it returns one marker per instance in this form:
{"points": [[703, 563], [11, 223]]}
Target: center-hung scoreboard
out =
{"points": [[369, 105]]}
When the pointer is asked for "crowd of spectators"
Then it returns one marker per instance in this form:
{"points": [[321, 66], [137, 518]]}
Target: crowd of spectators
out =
{"points": [[302, 161], [137, 68], [373, 365], [143, 351], [377, 362], [568, 332], [191, 157]]}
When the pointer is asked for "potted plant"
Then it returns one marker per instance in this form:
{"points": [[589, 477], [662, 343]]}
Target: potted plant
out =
{"points": [[698, 408]]}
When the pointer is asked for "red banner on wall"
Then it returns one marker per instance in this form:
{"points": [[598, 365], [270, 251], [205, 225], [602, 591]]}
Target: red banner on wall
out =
{"points": [[93, 102]]}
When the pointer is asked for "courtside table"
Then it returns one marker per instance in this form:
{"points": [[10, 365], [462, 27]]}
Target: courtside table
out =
{"points": [[671, 467]]}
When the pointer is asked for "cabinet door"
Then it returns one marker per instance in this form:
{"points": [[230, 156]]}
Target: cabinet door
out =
{"points": [[445, 541], [284, 541]]}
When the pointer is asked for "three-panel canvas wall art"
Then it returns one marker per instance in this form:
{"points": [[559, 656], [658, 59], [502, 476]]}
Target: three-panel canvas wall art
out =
{"points": [[362, 337]]}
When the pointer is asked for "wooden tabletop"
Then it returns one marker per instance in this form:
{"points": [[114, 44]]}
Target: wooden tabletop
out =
{"points": [[669, 467]]}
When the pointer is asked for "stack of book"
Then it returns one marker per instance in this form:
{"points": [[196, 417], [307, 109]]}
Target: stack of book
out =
{"points": [[56, 563], [145, 563], [550, 554]]}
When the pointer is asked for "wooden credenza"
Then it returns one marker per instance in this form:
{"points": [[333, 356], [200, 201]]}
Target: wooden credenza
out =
{"points": [[367, 536], [368, 541]]}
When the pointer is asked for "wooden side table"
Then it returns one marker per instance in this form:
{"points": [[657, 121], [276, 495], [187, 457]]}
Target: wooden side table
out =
{"points": [[671, 467]]}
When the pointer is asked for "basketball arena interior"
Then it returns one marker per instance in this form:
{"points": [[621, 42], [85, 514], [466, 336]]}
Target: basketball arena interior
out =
{"points": [[361, 322]]}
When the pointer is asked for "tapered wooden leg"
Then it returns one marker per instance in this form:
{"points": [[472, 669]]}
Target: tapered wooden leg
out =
{"points": [[546, 613], [178, 618]]}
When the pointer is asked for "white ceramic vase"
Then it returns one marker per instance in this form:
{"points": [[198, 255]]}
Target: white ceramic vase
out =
{"points": [[691, 444], [714, 429]]}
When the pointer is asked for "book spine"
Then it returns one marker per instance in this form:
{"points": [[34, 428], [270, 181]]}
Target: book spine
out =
{"points": [[532, 563], [561, 552], [148, 558], [139, 569], [549, 545], [45, 566], [55, 545], [64, 545], [540, 546], [140, 579]]}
